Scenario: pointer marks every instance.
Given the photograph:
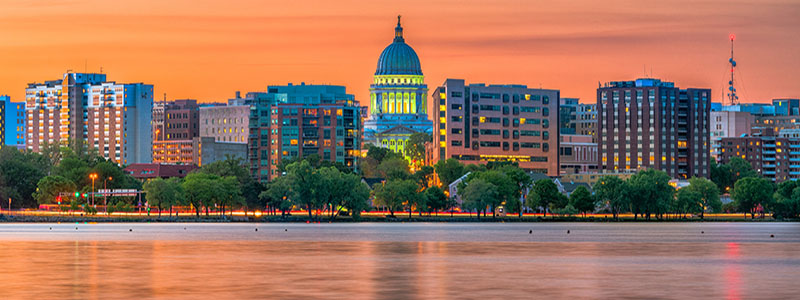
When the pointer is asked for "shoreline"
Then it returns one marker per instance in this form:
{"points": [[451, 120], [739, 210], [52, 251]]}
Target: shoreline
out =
{"points": [[370, 219]]}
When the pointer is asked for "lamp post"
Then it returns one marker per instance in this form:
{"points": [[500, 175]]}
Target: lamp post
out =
{"points": [[93, 176], [105, 197]]}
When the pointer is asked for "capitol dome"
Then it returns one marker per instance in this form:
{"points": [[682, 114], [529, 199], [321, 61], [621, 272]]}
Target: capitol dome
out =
{"points": [[398, 58]]}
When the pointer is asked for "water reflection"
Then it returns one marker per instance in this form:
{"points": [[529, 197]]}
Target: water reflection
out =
{"points": [[401, 261]]}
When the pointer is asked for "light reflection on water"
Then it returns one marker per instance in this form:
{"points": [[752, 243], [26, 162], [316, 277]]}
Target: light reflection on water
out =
{"points": [[406, 261]]}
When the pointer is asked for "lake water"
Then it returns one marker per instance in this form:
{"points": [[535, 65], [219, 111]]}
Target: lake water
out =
{"points": [[400, 261]]}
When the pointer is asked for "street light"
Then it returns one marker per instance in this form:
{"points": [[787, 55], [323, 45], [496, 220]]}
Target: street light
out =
{"points": [[93, 176], [105, 187]]}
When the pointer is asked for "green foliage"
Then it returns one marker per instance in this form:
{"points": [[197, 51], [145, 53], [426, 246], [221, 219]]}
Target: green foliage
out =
{"points": [[787, 199], [568, 210], [415, 146], [581, 199], [545, 195], [687, 201], [448, 171], [436, 199], [726, 175], [396, 194], [277, 195], [478, 194], [650, 193], [612, 192], [708, 196], [49, 188], [20, 173], [303, 181], [394, 168], [423, 176], [751, 192], [207, 190]]}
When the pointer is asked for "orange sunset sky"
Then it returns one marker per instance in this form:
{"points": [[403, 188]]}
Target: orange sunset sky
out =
{"points": [[207, 50]]}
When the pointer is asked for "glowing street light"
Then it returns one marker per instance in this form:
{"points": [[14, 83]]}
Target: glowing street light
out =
{"points": [[93, 176], [105, 187]]}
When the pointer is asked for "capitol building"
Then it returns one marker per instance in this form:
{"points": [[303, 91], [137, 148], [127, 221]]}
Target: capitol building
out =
{"points": [[398, 97]]}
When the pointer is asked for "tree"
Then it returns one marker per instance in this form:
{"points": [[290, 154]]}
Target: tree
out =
{"points": [[545, 194], [436, 199], [236, 167], [740, 168], [201, 190], [304, 181], [709, 196], [611, 191], [582, 200], [50, 187], [164, 193], [448, 171], [478, 194], [424, 176], [787, 199], [750, 193], [278, 194], [651, 193], [19, 175], [415, 146], [341, 191], [686, 201], [394, 168], [395, 194]]}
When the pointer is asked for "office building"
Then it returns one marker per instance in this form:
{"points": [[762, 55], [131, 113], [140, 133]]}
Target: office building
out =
{"points": [[12, 118], [176, 120], [776, 157], [577, 118], [331, 131], [479, 123], [577, 154], [649, 123], [729, 124], [265, 114], [197, 151], [398, 97], [225, 123], [84, 110]]}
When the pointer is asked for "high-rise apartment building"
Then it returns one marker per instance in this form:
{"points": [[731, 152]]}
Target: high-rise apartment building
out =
{"points": [[3, 100], [225, 123], [84, 109], [331, 131], [577, 118], [265, 114], [729, 124], [176, 120], [649, 123], [776, 157], [477, 123], [15, 124]]}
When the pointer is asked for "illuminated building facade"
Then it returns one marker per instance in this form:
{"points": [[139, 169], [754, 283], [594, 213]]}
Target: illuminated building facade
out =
{"points": [[649, 123], [398, 97], [12, 123], [331, 131], [225, 123], [84, 109], [197, 151], [479, 123], [773, 157], [577, 118], [176, 120], [262, 147]]}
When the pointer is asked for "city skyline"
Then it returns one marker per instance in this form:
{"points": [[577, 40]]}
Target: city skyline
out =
{"points": [[249, 45]]}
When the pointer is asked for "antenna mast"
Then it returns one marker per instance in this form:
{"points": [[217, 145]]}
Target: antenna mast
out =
{"points": [[732, 97]]}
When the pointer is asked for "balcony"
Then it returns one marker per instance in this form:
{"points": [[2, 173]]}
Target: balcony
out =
{"points": [[768, 159], [794, 173], [794, 159], [794, 152], [794, 166], [769, 173], [769, 145], [768, 152], [771, 166]]}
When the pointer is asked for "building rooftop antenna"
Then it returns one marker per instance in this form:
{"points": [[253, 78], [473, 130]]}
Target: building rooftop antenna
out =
{"points": [[733, 99]]}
